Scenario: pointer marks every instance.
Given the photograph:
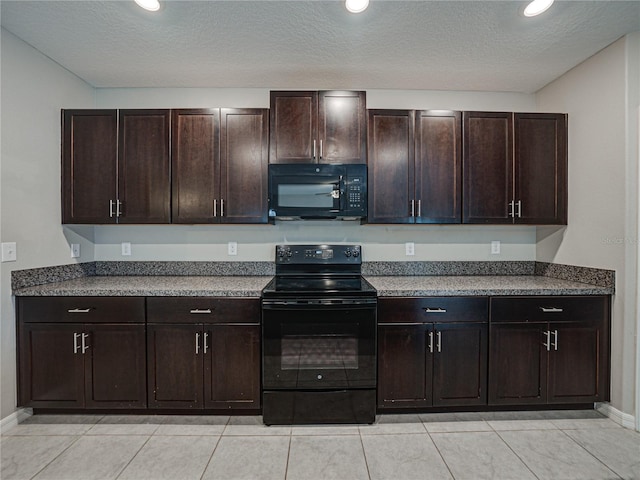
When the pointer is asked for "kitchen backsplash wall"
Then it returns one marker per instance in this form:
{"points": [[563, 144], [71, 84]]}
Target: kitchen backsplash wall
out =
{"points": [[256, 242]]}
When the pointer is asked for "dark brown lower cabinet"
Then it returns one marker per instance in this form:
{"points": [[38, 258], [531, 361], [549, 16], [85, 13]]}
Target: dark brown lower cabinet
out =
{"points": [[212, 365], [564, 360], [82, 366], [424, 364]]}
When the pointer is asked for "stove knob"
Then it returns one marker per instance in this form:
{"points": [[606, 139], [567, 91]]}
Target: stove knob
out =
{"points": [[289, 253], [347, 253], [356, 253], [281, 253]]}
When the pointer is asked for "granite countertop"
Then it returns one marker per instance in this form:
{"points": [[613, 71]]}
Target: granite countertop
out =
{"points": [[151, 286], [481, 285], [251, 286]]}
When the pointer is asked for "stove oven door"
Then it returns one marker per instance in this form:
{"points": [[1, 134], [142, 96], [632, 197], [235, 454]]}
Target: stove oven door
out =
{"points": [[316, 347]]}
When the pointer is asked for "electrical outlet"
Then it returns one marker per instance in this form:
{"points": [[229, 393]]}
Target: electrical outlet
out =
{"points": [[9, 252], [495, 247], [232, 248], [126, 249], [75, 250], [409, 248]]}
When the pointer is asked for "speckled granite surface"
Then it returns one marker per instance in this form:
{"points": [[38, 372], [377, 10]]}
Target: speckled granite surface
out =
{"points": [[448, 268], [185, 268], [593, 276], [150, 286], [435, 286], [58, 273]]}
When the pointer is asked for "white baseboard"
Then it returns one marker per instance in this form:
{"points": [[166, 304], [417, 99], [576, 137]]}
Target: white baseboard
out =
{"points": [[14, 419], [621, 418]]}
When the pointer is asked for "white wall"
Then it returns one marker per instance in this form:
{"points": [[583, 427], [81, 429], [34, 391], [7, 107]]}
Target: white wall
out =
{"points": [[34, 89], [603, 183]]}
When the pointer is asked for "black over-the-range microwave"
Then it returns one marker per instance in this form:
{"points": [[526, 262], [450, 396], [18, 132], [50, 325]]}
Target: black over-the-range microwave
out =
{"points": [[317, 191]]}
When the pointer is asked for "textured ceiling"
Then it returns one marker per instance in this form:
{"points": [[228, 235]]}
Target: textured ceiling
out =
{"points": [[447, 45]]}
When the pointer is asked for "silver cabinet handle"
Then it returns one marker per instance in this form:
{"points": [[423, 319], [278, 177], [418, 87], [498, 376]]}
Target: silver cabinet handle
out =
{"points": [[222, 207], [512, 209], [435, 310], [547, 336], [314, 149], [439, 341], [76, 347], [430, 342], [79, 310], [413, 208], [555, 343], [551, 310], [111, 203], [519, 203], [199, 311], [85, 347], [118, 211], [419, 208], [321, 155], [215, 207], [205, 340], [197, 343]]}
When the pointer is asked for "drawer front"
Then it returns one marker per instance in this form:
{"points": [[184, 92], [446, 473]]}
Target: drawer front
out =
{"points": [[549, 309], [432, 309], [81, 309], [203, 310]]}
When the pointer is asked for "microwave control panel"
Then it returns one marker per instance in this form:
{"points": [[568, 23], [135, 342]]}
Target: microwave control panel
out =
{"points": [[356, 193]]}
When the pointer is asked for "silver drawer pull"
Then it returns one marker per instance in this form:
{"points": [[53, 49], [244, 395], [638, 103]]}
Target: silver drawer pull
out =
{"points": [[79, 310], [551, 310], [197, 310], [435, 310], [76, 347]]}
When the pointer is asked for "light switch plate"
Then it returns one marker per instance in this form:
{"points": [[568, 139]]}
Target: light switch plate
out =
{"points": [[126, 249], [9, 252]]}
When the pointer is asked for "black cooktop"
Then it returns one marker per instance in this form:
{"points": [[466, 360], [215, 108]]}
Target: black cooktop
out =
{"points": [[319, 285]]}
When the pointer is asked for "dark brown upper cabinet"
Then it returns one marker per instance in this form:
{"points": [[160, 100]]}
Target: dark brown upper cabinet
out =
{"points": [[414, 166], [115, 166], [144, 180], [515, 168], [220, 159], [318, 127], [89, 162]]}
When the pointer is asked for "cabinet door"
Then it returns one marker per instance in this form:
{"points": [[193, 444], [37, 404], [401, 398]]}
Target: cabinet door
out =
{"points": [[517, 364], [541, 168], [460, 364], [89, 157], [488, 167], [232, 367], [175, 366], [342, 127], [391, 166], [294, 127], [244, 138], [578, 363], [438, 161], [143, 166], [50, 366], [195, 166], [404, 366], [115, 366]]}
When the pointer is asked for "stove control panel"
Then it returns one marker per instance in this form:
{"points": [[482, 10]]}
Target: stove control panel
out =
{"points": [[318, 254]]}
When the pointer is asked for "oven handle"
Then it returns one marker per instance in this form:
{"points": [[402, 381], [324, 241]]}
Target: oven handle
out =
{"points": [[298, 305]]}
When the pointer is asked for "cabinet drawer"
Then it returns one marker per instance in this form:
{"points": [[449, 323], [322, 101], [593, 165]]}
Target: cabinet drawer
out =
{"points": [[81, 309], [549, 309], [203, 310], [432, 309]]}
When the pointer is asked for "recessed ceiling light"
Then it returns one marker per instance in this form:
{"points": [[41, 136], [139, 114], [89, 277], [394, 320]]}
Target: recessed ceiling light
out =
{"points": [[151, 5], [356, 6], [537, 7]]}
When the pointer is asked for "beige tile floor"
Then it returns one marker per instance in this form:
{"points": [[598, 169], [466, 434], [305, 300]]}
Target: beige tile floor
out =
{"points": [[553, 445]]}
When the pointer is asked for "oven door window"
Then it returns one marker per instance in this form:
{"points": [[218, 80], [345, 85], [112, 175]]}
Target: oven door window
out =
{"points": [[319, 348]]}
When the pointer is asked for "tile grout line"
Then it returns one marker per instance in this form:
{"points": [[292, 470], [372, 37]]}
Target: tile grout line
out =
{"points": [[514, 452], [215, 448], [364, 454], [586, 450], [134, 456], [439, 452], [286, 468], [57, 456]]}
